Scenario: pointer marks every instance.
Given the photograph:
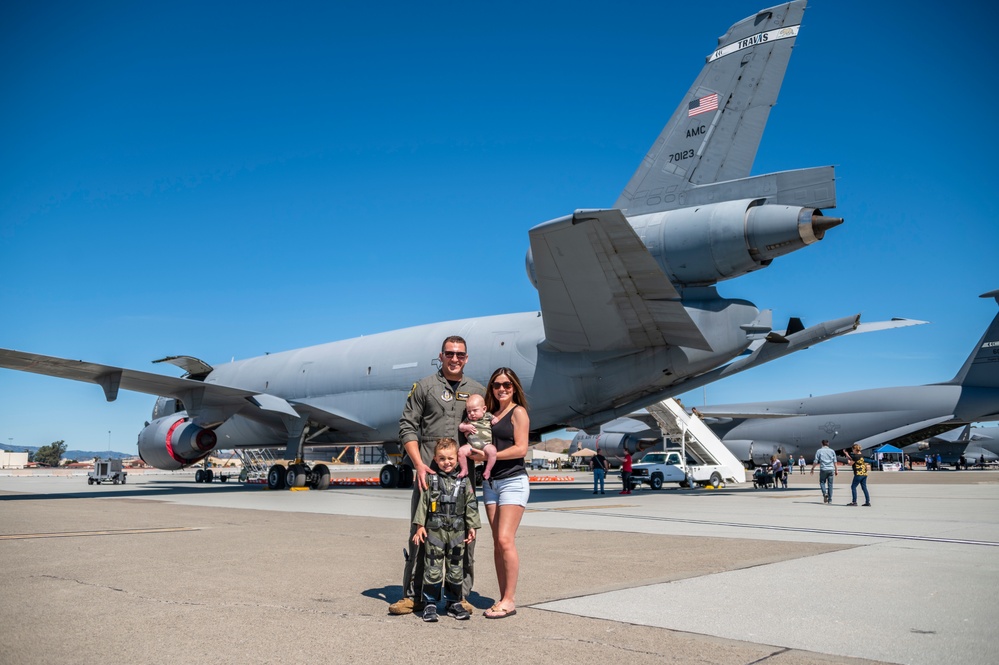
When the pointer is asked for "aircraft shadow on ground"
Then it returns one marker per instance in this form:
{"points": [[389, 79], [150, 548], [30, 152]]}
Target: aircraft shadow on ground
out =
{"points": [[144, 491], [540, 494]]}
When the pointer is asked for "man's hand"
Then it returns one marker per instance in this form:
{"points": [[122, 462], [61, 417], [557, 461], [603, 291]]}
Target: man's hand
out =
{"points": [[421, 475], [419, 536], [470, 537]]}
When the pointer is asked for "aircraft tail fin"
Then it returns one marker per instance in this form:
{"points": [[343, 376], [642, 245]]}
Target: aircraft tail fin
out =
{"points": [[981, 369], [714, 134]]}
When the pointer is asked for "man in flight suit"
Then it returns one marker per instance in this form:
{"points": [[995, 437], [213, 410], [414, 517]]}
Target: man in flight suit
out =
{"points": [[434, 409]]}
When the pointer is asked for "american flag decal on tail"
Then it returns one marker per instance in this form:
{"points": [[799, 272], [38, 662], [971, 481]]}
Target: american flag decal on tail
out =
{"points": [[703, 105]]}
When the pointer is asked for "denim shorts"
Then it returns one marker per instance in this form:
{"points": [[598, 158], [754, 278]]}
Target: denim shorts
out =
{"points": [[513, 491]]}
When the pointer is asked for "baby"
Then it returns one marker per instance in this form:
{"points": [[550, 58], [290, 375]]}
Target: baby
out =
{"points": [[478, 431]]}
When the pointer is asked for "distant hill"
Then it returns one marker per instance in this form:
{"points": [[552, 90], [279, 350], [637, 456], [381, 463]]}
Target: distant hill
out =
{"points": [[553, 445], [79, 455]]}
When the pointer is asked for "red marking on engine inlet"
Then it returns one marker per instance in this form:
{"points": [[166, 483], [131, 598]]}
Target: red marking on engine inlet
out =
{"points": [[169, 443]]}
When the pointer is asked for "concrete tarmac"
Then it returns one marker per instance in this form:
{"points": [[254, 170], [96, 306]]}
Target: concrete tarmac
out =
{"points": [[162, 570]]}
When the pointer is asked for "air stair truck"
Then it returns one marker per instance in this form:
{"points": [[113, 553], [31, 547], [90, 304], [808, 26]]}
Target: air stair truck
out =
{"points": [[717, 465]]}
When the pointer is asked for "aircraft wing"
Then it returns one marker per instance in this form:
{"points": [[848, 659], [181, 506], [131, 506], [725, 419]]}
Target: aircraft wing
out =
{"points": [[208, 403], [714, 134], [908, 434], [760, 413], [601, 290]]}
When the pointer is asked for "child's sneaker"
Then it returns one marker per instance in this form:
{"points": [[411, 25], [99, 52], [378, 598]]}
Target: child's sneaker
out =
{"points": [[430, 613], [457, 611]]}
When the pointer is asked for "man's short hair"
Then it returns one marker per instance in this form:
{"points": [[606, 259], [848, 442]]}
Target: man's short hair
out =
{"points": [[825, 442], [454, 339]]}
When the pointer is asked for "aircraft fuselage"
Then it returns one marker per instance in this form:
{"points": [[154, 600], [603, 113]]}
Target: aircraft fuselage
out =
{"points": [[366, 379]]}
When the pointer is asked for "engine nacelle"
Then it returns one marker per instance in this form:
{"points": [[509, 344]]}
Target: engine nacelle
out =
{"points": [[757, 453], [174, 442], [612, 444], [703, 245]]}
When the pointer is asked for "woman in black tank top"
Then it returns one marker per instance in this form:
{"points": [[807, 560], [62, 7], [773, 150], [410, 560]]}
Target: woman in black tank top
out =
{"points": [[508, 490]]}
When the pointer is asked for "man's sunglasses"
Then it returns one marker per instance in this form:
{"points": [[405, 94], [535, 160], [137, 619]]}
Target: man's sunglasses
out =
{"points": [[455, 354]]}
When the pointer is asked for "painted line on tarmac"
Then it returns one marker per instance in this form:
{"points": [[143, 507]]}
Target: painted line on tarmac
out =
{"points": [[115, 532], [774, 527]]}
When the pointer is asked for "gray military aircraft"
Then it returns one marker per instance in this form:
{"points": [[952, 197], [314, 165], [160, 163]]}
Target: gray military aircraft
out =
{"points": [[629, 310], [974, 443], [899, 416]]}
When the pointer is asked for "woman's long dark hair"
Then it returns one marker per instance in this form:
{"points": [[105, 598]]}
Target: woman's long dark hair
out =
{"points": [[519, 397]]}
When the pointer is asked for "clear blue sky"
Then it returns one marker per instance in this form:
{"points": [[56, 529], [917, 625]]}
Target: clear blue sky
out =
{"points": [[228, 179]]}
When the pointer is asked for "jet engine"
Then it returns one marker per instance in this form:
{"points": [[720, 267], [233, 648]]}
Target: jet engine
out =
{"points": [[612, 444], [756, 453], [703, 245], [174, 442]]}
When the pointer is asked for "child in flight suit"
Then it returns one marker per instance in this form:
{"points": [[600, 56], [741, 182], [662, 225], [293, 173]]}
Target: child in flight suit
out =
{"points": [[447, 517]]}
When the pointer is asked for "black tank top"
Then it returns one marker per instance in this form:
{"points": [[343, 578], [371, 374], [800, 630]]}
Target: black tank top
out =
{"points": [[503, 439]]}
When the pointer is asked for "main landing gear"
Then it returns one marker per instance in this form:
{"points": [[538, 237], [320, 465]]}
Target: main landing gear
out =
{"points": [[396, 476], [298, 474]]}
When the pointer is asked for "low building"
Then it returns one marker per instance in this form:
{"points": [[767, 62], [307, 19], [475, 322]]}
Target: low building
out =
{"points": [[13, 460]]}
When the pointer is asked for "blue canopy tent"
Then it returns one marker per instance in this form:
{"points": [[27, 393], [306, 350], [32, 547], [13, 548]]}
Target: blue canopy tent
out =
{"points": [[889, 454]]}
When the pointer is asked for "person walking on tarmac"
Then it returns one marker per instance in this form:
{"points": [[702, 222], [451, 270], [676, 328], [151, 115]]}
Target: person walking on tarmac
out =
{"points": [[434, 409], [825, 458]]}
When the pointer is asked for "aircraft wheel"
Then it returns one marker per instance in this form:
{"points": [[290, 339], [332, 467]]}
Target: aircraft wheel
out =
{"points": [[276, 477], [656, 482], [124, 478], [90, 481], [405, 477], [296, 475], [716, 480], [199, 476], [388, 476], [209, 475], [322, 474]]}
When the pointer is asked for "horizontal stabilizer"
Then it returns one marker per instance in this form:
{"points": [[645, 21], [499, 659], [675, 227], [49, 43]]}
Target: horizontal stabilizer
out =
{"points": [[601, 290], [810, 188]]}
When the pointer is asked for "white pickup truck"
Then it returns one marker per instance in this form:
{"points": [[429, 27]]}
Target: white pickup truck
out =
{"points": [[657, 468]]}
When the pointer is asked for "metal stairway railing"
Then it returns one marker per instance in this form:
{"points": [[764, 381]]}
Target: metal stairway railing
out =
{"points": [[696, 438]]}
